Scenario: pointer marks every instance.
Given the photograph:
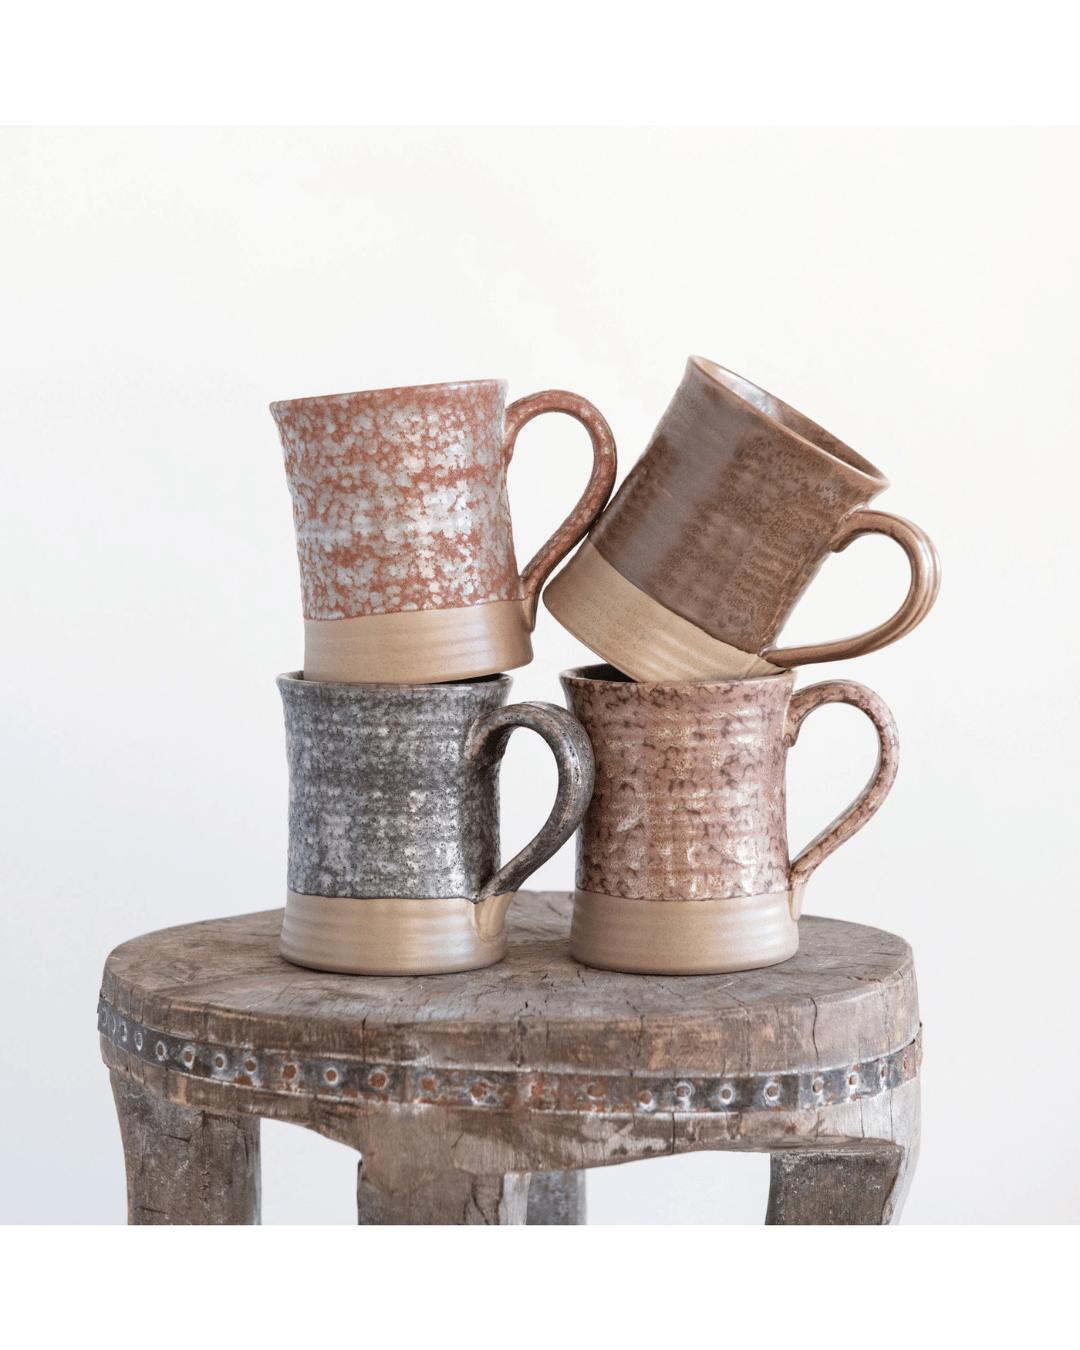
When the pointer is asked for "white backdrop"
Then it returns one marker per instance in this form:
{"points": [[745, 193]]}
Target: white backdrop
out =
{"points": [[916, 292]]}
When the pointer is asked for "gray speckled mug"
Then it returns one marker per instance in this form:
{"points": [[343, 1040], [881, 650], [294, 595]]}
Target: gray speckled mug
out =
{"points": [[394, 821]]}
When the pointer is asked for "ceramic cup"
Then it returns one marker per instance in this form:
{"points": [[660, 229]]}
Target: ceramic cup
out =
{"points": [[407, 565], [394, 821], [682, 863], [718, 529]]}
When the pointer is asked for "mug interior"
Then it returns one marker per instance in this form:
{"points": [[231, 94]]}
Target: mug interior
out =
{"points": [[297, 677], [472, 679], [605, 674], [787, 417], [388, 395]]}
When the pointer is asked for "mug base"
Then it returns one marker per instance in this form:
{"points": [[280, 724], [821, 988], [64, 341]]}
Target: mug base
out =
{"points": [[635, 633], [418, 646], [380, 936], [685, 937]]}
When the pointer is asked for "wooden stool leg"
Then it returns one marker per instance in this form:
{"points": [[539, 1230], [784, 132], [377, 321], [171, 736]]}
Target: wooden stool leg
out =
{"points": [[413, 1170], [834, 1185], [186, 1166], [852, 1181], [448, 1198], [556, 1198]]}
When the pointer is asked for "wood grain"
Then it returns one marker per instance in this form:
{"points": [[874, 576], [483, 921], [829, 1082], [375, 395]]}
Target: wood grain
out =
{"points": [[185, 1166], [848, 995], [455, 1088]]}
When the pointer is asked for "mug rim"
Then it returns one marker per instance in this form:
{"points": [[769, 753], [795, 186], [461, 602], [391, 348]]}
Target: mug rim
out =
{"points": [[497, 678], [581, 675], [849, 459], [394, 389]]}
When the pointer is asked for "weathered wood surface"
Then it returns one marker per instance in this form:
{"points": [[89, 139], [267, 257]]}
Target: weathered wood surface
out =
{"points": [[185, 1166], [834, 1185], [848, 995], [538, 1065], [409, 1175], [862, 1180]]}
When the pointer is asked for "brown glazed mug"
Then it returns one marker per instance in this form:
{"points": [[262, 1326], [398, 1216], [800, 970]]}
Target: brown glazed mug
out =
{"points": [[682, 857], [717, 531], [403, 530]]}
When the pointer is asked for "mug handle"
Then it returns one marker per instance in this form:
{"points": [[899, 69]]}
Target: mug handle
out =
{"points": [[580, 520], [851, 820], [572, 749], [925, 584]]}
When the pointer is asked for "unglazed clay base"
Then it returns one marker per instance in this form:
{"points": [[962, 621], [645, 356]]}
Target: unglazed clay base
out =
{"points": [[636, 634], [393, 936], [418, 646], [684, 937]]}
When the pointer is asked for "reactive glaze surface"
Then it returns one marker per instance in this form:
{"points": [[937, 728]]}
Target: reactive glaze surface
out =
{"points": [[689, 799], [393, 789], [394, 821], [399, 496], [689, 802], [682, 859], [730, 512], [384, 798]]}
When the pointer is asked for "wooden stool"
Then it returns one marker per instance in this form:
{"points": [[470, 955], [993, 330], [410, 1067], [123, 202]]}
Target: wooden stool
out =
{"points": [[456, 1089]]}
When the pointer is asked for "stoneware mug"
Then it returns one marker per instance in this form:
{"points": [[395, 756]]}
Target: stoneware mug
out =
{"points": [[682, 862], [394, 821], [718, 529], [407, 562]]}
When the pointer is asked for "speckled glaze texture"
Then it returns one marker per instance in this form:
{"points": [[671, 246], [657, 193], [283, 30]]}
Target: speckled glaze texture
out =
{"points": [[393, 789], [689, 802], [399, 496], [733, 508]]}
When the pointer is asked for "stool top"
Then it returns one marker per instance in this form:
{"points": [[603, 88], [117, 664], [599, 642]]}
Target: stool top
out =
{"points": [[215, 999]]}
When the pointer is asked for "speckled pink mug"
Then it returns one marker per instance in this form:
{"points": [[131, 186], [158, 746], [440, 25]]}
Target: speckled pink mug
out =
{"points": [[682, 860], [407, 564]]}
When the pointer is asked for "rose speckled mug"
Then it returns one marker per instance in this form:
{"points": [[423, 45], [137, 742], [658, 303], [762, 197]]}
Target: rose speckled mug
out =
{"points": [[682, 864], [403, 530], [720, 526]]}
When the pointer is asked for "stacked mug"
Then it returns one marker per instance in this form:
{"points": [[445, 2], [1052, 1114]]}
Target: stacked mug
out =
{"points": [[673, 763], [413, 608]]}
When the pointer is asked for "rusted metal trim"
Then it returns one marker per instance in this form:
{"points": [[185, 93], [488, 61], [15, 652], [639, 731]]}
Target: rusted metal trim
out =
{"points": [[344, 1079]]}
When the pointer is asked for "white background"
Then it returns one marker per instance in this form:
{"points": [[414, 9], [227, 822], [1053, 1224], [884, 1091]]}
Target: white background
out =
{"points": [[914, 291]]}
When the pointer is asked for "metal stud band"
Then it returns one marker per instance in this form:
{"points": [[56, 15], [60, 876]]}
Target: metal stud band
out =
{"points": [[342, 1078]]}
